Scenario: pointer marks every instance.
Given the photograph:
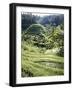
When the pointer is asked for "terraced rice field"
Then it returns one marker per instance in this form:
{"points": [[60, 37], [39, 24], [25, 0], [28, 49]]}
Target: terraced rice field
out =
{"points": [[35, 63]]}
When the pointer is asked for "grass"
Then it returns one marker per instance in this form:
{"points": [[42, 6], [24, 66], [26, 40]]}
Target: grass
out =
{"points": [[34, 63]]}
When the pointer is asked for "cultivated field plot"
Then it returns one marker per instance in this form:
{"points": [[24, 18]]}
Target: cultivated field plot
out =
{"points": [[35, 63]]}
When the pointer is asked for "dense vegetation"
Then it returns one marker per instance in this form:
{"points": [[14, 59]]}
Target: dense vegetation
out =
{"points": [[42, 45]]}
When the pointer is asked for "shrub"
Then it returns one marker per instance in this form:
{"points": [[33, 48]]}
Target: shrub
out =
{"points": [[61, 51]]}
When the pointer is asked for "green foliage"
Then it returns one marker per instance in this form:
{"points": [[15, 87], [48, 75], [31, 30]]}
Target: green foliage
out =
{"points": [[35, 29], [61, 51]]}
